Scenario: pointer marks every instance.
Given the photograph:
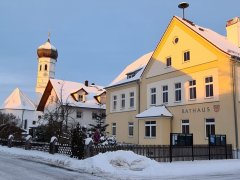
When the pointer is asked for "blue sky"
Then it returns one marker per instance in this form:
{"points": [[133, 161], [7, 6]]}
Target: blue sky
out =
{"points": [[95, 39]]}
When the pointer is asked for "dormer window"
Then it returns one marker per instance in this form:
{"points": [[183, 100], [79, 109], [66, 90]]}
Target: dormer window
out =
{"points": [[132, 74]]}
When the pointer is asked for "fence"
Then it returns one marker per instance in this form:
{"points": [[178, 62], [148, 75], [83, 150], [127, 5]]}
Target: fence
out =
{"points": [[159, 153]]}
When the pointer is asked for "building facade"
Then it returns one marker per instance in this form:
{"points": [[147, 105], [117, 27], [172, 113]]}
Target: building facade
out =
{"points": [[81, 101], [190, 84], [21, 106]]}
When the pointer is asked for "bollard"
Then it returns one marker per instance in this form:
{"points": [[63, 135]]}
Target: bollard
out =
{"points": [[28, 142], [53, 144], [10, 140]]}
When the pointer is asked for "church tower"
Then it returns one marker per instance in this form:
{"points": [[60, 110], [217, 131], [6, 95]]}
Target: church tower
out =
{"points": [[47, 58]]}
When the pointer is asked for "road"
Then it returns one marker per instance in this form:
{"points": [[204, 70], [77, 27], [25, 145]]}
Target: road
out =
{"points": [[14, 168], [17, 168]]}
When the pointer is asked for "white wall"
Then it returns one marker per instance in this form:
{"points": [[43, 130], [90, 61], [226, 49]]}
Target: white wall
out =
{"points": [[23, 115]]}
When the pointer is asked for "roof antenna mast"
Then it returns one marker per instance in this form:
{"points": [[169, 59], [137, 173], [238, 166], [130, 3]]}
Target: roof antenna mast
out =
{"points": [[182, 6]]}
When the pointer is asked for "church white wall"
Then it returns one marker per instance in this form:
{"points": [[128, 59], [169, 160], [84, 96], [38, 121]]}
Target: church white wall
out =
{"points": [[23, 115]]}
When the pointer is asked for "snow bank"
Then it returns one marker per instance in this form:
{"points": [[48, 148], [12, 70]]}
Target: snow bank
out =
{"points": [[128, 165]]}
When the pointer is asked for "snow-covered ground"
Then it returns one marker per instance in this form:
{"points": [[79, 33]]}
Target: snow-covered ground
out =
{"points": [[127, 165]]}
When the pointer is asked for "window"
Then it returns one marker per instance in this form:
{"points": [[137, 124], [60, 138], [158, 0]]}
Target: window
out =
{"points": [[39, 117], [45, 67], [25, 124], [192, 90], [130, 128], [34, 122], [210, 127], [80, 98], [185, 126], [79, 114], [209, 86], [150, 129], [178, 93], [114, 102], [94, 115], [168, 61], [114, 129], [40, 68], [123, 101], [186, 56], [131, 75], [131, 99], [153, 96], [165, 94]]}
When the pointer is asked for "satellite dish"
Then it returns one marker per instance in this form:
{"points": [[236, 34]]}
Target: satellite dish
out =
{"points": [[182, 6]]}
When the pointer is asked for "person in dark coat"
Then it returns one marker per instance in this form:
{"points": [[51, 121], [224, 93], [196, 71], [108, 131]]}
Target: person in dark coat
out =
{"points": [[96, 137]]}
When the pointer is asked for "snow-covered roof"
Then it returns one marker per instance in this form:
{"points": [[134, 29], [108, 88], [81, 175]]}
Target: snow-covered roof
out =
{"points": [[65, 89], [18, 100], [216, 39], [47, 45], [137, 66], [155, 111]]}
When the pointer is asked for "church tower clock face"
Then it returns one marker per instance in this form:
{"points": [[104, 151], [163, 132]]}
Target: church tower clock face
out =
{"points": [[47, 58]]}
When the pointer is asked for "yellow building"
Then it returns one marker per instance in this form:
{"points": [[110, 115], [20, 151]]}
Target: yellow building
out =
{"points": [[189, 84]]}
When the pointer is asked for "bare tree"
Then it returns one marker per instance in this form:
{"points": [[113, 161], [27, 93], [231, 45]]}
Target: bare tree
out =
{"points": [[57, 116]]}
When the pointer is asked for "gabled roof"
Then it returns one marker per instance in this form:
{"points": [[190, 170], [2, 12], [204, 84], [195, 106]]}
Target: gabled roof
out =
{"points": [[137, 66], [18, 100], [64, 90], [154, 112], [213, 37]]}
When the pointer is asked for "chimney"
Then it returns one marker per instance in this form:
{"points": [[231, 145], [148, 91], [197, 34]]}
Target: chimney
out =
{"points": [[86, 83], [233, 31]]}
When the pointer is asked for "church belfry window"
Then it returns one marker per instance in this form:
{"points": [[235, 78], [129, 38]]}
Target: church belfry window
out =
{"points": [[45, 68], [40, 68]]}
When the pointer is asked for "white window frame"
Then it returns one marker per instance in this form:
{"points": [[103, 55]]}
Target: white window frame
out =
{"points": [[209, 87], [209, 123], [114, 102], [165, 94], [153, 96], [130, 129], [114, 129], [131, 99], [151, 125], [123, 101], [184, 123], [178, 92], [192, 89]]}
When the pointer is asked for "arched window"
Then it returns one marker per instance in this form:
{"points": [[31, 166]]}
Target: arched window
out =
{"points": [[45, 67], [40, 68]]}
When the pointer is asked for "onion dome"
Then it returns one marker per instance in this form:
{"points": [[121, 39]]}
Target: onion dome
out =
{"points": [[47, 50]]}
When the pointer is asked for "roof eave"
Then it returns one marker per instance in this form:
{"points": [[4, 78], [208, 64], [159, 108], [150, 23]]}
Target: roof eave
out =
{"points": [[122, 84], [153, 117]]}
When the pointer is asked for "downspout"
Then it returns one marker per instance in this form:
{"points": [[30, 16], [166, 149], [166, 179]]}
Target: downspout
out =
{"points": [[234, 105], [138, 82]]}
